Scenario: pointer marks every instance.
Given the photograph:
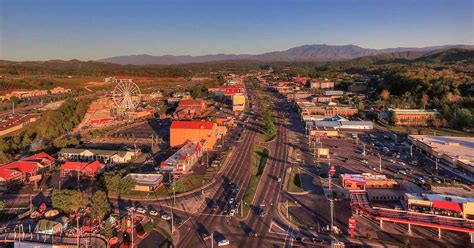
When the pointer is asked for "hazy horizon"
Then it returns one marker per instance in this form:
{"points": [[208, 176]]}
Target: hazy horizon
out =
{"points": [[91, 30]]}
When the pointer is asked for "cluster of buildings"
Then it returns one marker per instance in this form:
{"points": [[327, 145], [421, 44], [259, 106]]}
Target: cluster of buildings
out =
{"points": [[25, 94], [189, 109], [324, 110], [449, 205], [232, 92], [103, 112], [26, 170], [16, 123]]}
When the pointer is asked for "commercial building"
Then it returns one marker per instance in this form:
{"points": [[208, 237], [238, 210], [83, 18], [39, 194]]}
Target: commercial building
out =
{"points": [[195, 131], [416, 117], [9, 178], [340, 125], [367, 181], [457, 152], [227, 90], [189, 109], [145, 182], [455, 206], [104, 156], [28, 169], [181, 161], [16, 123], [333, 93], [83, 169], [321, 84], [357, 87], [22, 94], [238, 102]]}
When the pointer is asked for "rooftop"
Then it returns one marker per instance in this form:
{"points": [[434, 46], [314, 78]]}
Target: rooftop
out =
{"points": [[414, 111], [192, 125], [145, 179], [461, 148]]}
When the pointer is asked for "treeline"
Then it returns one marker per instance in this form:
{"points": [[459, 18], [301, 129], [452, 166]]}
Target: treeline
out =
{"points": [[448, 94], [48, 130]]}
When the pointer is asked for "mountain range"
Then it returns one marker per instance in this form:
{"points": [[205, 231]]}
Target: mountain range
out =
{"points": [[300, 53]]}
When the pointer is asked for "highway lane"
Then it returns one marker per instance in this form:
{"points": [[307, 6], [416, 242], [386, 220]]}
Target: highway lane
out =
{"points": [[238, 172]]}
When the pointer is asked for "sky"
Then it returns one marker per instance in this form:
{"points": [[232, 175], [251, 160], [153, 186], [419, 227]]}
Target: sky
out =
{"points": [[95, 29]]}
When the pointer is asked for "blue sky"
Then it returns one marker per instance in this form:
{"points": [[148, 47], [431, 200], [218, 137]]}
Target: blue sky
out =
{"points": [[93, 29]]}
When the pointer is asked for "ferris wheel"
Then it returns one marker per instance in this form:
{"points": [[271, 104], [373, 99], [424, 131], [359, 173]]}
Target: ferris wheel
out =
{"points": [[126, 96]]}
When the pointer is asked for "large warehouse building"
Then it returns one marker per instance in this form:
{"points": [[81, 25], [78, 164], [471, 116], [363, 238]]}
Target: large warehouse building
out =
{"points": [[457, 152], [195, 131]]}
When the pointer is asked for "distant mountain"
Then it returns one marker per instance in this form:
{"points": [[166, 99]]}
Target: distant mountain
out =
{"points": [[301, 53]]}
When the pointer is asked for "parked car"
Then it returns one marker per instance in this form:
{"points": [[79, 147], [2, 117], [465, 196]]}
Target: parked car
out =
{"points": [[153, 213], [141, 210], [223, 242], [164, 215]]}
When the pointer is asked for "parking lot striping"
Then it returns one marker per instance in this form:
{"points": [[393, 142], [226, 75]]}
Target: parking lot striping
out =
{"points": [[184, 222], [215, 215]]}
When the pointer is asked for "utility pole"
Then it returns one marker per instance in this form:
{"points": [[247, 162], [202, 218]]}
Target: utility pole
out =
{"points": [[241, 208], [411, 150], [380, 163], [132, 228], [212, 239], [287, 209], [332, 170], [363, 152], [436, 165], [172, 206]]}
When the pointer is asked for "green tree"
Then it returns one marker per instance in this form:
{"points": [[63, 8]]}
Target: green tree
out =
{"points": [[69, 200], [114, 183], [15, 100], [100, 205], [108, 230], [2, 206]]}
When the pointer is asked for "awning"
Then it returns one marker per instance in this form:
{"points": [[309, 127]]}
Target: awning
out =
{"points": [[446, 205]]}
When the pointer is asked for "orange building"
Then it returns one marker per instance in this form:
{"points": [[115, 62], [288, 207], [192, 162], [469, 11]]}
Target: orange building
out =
{"points": [[195, 131], [367, 181]]}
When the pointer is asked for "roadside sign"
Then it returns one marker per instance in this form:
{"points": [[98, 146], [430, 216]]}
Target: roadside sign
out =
{"points": [[332, 170]]}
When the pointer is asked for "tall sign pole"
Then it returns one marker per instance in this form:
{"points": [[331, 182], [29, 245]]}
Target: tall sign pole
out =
{"points": [[332, 171]]}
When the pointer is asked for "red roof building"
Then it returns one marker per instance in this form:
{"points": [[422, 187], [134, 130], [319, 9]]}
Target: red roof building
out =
{"points": [[43, 158], [195, 131], [447, 205], [8, 178], [85, 169]]}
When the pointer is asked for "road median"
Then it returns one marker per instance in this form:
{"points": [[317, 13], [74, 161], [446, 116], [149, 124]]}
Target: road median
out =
{"points": [[259, 161]]}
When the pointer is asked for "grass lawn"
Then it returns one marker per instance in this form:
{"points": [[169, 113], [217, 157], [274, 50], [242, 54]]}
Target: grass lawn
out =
{"points": [[185, 184], [258, 165], [429, 131], [294, 182]]}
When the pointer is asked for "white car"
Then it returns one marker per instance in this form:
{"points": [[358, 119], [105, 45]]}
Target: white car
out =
{"points": [[153, 213], [231, 212], [223, 242], [141, 210], [165, 217], [130, 209], [231, 200]]}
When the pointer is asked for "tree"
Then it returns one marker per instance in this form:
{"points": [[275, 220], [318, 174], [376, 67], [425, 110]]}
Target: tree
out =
{"points": [[2, 206], [385, 95], [114, 183], [15, 100], [69, 200], [100, 205], [424, 100], [108, 230]]}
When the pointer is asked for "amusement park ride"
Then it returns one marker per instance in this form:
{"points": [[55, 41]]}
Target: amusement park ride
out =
{"points": [[126, 96]]}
